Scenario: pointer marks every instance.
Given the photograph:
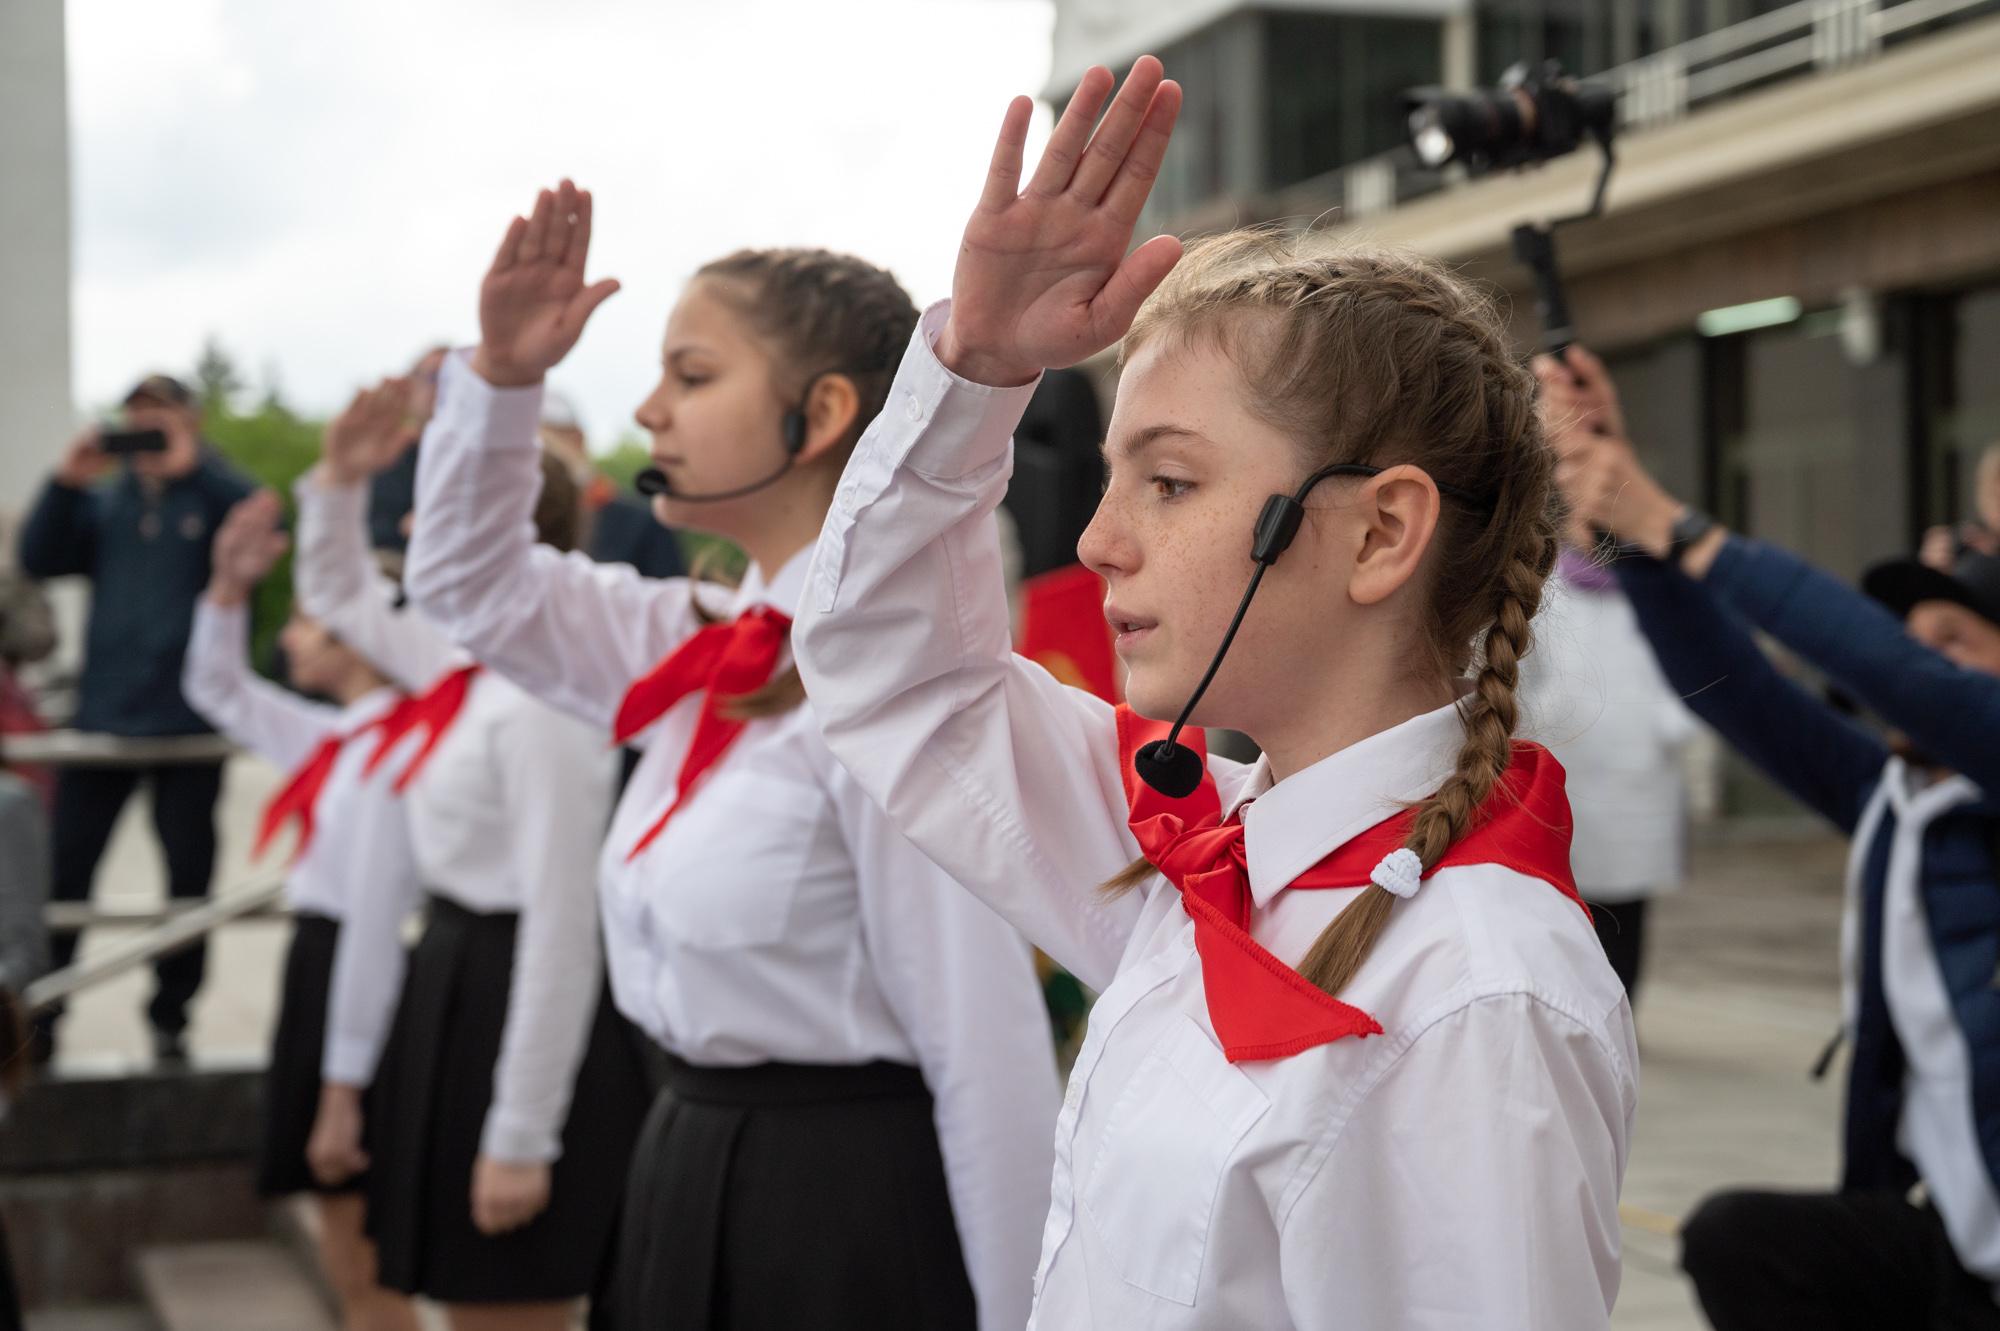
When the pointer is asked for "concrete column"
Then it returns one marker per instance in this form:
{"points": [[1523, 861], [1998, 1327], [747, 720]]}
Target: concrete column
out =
{"points": [[36, 414]]}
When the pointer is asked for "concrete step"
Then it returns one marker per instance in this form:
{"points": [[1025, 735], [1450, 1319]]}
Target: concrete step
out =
{"points": [[243, 1286]]}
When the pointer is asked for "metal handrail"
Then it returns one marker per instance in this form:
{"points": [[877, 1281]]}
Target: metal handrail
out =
{"points": [[182, 929], [76, 916]]}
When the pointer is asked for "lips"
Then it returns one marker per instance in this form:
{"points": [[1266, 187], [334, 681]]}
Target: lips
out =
{"points": [[1130, 629]]}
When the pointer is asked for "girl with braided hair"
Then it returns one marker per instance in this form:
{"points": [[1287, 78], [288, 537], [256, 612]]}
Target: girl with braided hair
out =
{"points": [[1359, 1060], [859, 1077]]}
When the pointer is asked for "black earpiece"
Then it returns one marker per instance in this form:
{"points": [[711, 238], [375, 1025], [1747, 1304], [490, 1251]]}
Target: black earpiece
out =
{"points": [[792, 430], [1164, 765]]}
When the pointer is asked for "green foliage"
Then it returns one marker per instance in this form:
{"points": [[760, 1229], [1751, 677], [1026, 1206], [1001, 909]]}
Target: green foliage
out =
{"points": [[273, 447]]}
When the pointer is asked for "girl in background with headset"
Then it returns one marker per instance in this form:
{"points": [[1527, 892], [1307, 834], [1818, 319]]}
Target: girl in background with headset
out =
{"points": [[504, 1092], [350, 838], [854, 1129], [1359, 1060]]}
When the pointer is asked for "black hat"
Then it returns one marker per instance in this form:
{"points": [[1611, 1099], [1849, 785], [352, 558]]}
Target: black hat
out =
{"points": [[1902, 584], [162, 388]]}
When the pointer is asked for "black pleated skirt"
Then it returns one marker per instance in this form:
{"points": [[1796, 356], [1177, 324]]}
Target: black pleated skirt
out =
{"points": [[291, 1085], [778, 1197], [427, 1110]]}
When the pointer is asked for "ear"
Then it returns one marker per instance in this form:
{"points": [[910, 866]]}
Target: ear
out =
{"points": [[1399, 514], [831, 408]]}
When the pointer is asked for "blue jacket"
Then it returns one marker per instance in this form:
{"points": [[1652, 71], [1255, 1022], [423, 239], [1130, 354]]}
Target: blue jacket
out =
{"points": [[145, 551], [1847, 774]]}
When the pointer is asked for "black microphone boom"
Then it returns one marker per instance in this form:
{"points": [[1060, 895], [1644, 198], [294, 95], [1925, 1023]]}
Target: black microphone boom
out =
{"points": [[652, 482]]}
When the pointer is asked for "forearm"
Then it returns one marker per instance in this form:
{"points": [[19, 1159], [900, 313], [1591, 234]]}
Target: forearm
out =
{"points": [[338, 585]]}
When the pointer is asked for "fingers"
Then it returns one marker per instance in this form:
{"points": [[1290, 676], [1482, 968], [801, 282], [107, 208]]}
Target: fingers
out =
{"points": [[1003, 176], [587, 300], [509, 253], [578, 248], [1137, 278], [1113, 140], [1129, 189], [1072, 132], [535, 244]]}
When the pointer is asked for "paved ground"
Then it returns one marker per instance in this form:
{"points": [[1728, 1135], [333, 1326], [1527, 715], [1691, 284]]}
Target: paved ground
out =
{"points": [[1741, 997]]}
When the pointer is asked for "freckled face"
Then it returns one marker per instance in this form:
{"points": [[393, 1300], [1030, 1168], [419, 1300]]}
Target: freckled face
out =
{"points": [[1189, 470]]}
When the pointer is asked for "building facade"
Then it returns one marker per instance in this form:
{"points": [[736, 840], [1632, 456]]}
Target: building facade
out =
{"points": [[36, 417]]}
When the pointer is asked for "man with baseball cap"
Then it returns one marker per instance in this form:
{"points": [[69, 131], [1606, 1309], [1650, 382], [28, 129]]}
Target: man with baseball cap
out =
{"points": [[135, 512]]}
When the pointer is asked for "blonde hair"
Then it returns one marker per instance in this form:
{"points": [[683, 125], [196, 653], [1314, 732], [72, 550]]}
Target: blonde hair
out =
{"points": [[1369, 355]]}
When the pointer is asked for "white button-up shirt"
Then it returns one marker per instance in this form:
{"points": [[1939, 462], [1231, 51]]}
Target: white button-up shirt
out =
{"points": [[1459, 1171], [359, 834], [507, 816], [778, 916]]}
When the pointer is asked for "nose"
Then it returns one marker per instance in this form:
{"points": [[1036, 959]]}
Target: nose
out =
{"points": [[654, 414], [1105, 548]]}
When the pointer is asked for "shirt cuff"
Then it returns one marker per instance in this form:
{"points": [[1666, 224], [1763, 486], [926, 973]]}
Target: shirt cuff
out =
{"points": [[945, 426], [348, 1061], [501, 418], [511, 1137]]}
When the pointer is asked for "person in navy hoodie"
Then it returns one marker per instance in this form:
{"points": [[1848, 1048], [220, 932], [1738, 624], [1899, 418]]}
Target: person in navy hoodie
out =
{"points": [[142, 537], [1920, 648]]}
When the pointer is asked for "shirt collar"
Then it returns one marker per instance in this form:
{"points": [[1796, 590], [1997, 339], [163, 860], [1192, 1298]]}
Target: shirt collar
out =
{"points": [[370, 706], [782, 593], [1292, 825]]}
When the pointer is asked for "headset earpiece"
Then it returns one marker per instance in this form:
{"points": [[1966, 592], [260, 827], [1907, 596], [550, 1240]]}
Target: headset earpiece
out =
{"points": [[794, 431]]}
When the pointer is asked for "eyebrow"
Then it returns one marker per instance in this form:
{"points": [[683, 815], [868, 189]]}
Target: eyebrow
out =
{"points": [[686, 349], [1149, 436]]}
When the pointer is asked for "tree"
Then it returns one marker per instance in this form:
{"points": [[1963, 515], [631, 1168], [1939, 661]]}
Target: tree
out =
{"points": [[216, 377]]}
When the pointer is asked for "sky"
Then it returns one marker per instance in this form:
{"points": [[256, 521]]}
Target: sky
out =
{"points": [[321, 187]]}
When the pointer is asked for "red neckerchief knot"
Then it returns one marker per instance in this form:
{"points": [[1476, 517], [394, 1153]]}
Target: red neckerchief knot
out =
{"points": [[723, 661], [432, 712], [1260, 1007], [299, 796]]}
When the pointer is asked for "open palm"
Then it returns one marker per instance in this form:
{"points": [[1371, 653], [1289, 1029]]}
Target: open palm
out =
{"points": [[371, 432], [534, 301], [1043, 277], [249, 541]]}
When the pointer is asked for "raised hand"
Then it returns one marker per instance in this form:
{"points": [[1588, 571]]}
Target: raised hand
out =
{"points": [[371, 432], [534, 302], [247, 544], [1043, 276], [83, 460], [1579, 401]]}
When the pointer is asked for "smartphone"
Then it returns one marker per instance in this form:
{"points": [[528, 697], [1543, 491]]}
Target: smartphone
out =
{"points": [[124, 443]]}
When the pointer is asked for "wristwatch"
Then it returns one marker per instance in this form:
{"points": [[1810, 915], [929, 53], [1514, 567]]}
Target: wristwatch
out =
{"points": [[1689, 527]]}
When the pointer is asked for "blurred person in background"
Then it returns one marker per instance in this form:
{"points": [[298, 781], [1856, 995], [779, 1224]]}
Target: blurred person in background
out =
{"points": [[391, 492], [1596, 697], [27, 635], [1944, 544], [1921, 648], [618, 528], [24, 851], [140, 529]]}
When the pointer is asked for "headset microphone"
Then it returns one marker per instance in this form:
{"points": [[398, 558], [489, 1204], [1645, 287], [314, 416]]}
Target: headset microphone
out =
{"points": [[1163, 764], [652, 481]]}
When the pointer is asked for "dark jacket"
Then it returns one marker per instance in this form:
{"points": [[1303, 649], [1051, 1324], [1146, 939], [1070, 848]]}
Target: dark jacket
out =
{"points": [[145, 549], [1935, 838]]}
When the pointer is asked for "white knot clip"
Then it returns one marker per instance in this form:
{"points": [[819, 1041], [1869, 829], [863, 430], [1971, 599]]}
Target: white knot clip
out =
{"points": [[1400, 872]]}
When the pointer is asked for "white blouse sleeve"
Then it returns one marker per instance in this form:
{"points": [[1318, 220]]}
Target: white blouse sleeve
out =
{"points": [[274, 723], [571, 631], [380, 887], [339, 586], [1005, 777], [1475, 1186], [556, 778], [962, 986]]}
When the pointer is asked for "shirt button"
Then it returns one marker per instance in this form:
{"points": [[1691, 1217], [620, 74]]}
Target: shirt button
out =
{"points": [[911, 410]]}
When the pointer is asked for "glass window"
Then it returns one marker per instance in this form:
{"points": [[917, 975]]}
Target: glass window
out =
{"points": [[1333, 84]]}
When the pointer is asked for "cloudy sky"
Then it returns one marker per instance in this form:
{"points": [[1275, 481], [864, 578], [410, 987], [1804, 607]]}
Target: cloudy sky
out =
{"points": [[320, 187]]}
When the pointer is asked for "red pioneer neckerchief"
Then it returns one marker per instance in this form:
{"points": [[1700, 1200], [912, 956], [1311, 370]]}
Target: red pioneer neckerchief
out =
{"points": [[723, 661], [299, 796], [1260, 1007], [432, 712]]}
